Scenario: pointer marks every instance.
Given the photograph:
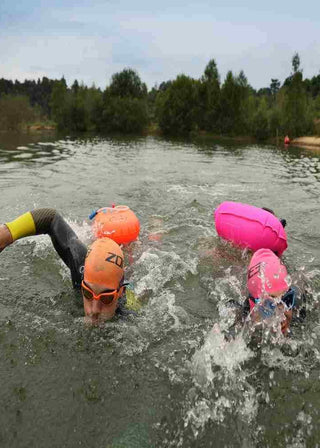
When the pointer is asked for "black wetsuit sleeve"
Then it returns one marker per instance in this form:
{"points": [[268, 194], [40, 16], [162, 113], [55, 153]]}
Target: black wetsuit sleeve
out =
{"points": [[299, 309], [70, 249], [245, 308]]}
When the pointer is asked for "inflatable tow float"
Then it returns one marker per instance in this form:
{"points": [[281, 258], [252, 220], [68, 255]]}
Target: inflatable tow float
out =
{"points": [[117, 222], [250, 227]]}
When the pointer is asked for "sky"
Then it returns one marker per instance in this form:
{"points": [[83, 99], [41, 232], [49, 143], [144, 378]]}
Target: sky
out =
{"points": [[90, 40]]}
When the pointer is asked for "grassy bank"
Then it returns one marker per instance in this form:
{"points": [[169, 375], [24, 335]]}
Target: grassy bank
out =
{"points": [[312, 141], [40, 126], [154, 130]]}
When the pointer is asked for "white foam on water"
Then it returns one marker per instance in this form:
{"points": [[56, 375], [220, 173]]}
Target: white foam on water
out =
{"points": [[155, 320], [83, 230], [304, 428], [291, 355], [227, 287], [43, 244], [127, 338], [43, 153], [217, 351], [155, 268], [45, 144], [219, 190], [221, 388], [185, 190], [23, 156], [64, 271], [40, 324], [162, 315]]}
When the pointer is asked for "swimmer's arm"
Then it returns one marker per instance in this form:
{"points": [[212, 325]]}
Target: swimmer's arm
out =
{"points": [[5, 237], [31, 223], [241, 311], [48, 221]]}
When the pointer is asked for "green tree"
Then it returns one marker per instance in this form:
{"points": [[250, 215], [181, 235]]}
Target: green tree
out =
{"points": [[295, 118], [77, 111], [60, 104], [178, 105], [127, 83], [124, 104], [94, 107], [274, 87], [230, 105], [126, 115], [211, 72], [15, 111], [242, 124], [236, 104], [209, 98], [313, 86], [295, 63], [261, 120]]}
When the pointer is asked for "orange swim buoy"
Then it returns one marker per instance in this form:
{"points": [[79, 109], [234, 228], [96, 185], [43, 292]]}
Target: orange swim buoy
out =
{"points": [[118, 223]]}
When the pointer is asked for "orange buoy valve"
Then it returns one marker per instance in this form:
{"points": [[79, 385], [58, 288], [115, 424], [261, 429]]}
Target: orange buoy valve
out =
{"points": [[118, 223]]}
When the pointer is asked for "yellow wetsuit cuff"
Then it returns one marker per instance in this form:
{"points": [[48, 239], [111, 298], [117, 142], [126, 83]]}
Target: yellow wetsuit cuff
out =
{"points": [[133, 303], [22, 226]]}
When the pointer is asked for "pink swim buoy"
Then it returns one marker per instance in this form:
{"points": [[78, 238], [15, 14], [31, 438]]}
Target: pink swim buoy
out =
{"points": [[250, 227]]}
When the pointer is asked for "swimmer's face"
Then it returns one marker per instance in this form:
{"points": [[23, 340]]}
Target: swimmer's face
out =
{"points": [[285, 324], [95, 310]]}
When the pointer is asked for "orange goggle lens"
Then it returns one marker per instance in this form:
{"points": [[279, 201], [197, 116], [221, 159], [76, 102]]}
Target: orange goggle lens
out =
{"points": [[106, 297]]}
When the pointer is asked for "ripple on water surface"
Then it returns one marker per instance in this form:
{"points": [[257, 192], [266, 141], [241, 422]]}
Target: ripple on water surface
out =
{"points": [[167, 377]]}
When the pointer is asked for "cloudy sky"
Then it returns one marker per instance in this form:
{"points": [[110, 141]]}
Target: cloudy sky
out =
{"points": [[89, 40]]}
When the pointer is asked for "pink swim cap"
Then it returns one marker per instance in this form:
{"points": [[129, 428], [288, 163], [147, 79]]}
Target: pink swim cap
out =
{"points": [[266, 274]]}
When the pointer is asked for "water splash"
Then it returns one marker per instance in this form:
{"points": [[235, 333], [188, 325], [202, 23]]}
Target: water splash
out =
{"points": [[156, 267], [221, 387]]}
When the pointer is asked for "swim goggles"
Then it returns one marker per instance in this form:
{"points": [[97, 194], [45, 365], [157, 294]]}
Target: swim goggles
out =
{"points": [[106, 297], [267, 307], [289, 299]]}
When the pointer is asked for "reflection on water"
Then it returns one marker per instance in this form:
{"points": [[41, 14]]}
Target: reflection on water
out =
{"points": [[41, 153], [167, 377], [13, 140]]}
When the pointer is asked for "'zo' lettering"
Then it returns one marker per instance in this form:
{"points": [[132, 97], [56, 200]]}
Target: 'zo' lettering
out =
{"points": [[115, 259]]}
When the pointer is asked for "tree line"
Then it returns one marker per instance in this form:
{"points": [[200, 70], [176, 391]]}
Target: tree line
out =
{"points": [[178, 107]]}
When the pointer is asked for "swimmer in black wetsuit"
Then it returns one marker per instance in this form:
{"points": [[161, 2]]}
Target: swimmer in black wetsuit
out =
{"points": [[98, 272]]}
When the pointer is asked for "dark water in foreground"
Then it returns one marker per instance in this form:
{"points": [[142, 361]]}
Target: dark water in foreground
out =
{"points": [[166, 378]]}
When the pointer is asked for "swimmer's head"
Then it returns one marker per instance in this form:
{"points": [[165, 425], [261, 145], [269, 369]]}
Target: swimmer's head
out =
{"points": [[102, 279], [267, 276], [104, 263], [282, 220]]}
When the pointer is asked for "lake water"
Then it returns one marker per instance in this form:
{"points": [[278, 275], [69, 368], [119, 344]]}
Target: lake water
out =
{"points": [[167, 377]]}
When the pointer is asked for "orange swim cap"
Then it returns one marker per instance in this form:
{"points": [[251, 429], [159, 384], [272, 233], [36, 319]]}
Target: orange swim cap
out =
{"points": [[104, 264]]}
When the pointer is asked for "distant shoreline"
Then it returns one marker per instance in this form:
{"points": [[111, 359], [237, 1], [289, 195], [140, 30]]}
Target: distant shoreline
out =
{"points": [[153, 130], [311, 141], [41, 127]]}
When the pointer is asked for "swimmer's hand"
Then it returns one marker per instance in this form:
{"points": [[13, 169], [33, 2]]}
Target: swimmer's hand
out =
{"points": [[133, 303], [5, 237]]}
